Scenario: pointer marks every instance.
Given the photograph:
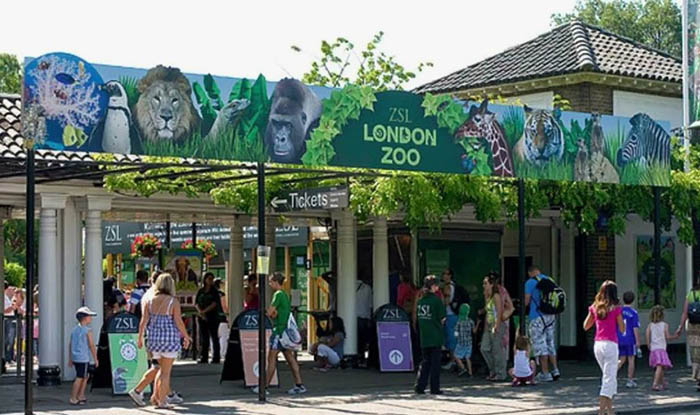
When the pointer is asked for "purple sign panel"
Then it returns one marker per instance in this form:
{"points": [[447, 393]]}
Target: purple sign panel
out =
{"points": [[395, 352]]}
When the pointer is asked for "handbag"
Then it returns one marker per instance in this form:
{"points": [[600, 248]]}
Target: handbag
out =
{"points": [[290, 338]]}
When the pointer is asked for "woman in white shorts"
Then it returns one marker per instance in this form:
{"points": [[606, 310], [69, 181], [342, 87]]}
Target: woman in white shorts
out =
{"points": [[162, 320]]}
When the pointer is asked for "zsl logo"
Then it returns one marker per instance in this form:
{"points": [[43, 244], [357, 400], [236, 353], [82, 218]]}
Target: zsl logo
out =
{"points": [[251, 320], [392, 314], [423, 310]]}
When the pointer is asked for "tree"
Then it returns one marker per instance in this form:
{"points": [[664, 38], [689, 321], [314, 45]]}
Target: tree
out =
{"points": [[373, 67], [655, 23], [10, 74], [15, 274]]}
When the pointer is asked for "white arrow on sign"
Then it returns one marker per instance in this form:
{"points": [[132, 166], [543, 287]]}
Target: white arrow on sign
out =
{"points": [[275, 202]]}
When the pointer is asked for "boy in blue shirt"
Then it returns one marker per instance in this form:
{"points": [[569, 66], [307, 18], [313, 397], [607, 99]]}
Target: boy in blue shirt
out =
{"points": [[80, 348], [628, 342]]}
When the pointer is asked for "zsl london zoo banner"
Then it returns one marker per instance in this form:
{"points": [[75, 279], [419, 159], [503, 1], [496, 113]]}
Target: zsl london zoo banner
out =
{"points": [[70, 104]]}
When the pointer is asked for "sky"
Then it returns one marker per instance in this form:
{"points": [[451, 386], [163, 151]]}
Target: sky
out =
{"points": [[243, 39]]}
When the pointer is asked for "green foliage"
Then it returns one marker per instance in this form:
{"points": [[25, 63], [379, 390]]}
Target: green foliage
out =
{"points": [[10, 74], [573, 134], [254, 120], [227, 145], [373, 67], [15, 274], [656, 23], [563, 170], [513, 125], [209, 101], [342, 106], [131, 86]]}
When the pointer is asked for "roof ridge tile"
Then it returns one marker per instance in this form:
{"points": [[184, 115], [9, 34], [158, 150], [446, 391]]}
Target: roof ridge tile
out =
{"points": [[582, 44]]}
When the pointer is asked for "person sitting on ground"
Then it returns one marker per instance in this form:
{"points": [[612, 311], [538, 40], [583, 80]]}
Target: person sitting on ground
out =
{"points": [[330, 348], [463, 333], [523, 370], [81, 347]]}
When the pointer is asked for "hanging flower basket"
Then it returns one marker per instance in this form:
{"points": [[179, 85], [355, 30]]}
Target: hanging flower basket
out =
{"points": [[145, 246], [205, 245]]}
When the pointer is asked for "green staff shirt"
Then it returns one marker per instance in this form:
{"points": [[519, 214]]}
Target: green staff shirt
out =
{"points": [[281, 303], [430, 312]]}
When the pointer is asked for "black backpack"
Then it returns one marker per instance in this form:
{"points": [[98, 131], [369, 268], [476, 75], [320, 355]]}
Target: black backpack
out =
{"points": [[553, 298], [461, 297], [694, 310]]}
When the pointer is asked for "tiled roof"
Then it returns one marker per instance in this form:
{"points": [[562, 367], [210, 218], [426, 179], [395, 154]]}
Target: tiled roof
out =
{"points": [[569, 48]]}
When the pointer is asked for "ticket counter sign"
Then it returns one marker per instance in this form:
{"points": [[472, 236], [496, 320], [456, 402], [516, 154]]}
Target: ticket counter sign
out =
{"points": [[248, 326], [394, 337]]}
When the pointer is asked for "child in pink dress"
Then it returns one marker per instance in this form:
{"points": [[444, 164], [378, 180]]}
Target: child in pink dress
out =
{"points": [[657, 334]]}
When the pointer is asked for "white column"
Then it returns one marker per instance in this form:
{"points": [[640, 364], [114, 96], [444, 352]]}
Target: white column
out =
{"points": [[380, 263], [72, 242], [235, 277], [567, 278], [50, 324], [93, 259], [347, 278]]}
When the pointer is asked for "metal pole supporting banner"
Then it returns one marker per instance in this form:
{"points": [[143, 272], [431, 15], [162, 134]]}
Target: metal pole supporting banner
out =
{"points": [[657, 245], [262, 355], [29, 329], [167, 234], [521, 251]]}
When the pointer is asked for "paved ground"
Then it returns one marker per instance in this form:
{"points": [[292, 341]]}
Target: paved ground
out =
{"points": [[365, 392]]}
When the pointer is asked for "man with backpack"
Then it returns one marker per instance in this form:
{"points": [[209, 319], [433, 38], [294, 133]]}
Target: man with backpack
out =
{"points": [[454, 296], [545, 300]]}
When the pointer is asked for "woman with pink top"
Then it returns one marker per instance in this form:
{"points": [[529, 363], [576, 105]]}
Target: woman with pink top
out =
{"points": [[606, 314]]}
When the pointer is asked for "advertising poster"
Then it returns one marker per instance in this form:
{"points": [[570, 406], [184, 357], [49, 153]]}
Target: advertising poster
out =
{"points": [[247, 324], [249, 347], [129, 363], [73, 105], [394, 339], [395, 352], [646, 280]]}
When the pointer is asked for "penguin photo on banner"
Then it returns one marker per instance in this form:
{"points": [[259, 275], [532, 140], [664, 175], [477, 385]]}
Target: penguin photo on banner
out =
{"points": [[116, 133]]}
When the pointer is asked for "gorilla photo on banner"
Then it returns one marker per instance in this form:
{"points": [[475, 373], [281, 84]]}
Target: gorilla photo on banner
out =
{"points": [[294, 112]]}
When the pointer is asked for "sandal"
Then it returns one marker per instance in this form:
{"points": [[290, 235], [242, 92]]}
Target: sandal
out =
{"points": [[72, 402], [657, 388], [165, 406], [82, 401]]}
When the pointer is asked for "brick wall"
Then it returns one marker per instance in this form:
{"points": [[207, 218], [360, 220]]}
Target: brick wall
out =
{"points": [[588, 97]]}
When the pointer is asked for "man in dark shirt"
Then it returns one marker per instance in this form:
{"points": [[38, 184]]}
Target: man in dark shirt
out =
{"points": [[430, 313]]}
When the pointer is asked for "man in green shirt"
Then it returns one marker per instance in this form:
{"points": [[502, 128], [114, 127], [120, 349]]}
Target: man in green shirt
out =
{"points": [[430, 313], [279, 311]]}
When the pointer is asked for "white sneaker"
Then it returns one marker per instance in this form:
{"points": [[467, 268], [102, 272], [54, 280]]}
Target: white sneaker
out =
{"points": [[137, 398], [256, 390], [297, 390], [555, 374], [448, 366], [631, 384], [544, 377], [175, 399]]}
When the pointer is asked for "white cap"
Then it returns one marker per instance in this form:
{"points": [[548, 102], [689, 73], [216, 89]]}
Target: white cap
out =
{"points": [[86, 311]]}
